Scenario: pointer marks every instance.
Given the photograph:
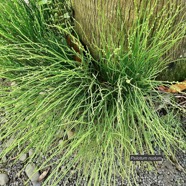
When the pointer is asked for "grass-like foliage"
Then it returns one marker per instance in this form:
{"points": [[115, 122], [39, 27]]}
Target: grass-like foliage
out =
{"points": [[101, 111]]}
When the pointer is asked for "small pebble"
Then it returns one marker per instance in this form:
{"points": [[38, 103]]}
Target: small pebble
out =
{"points": [[160, 177], [9, 142], [31, 152], [23, 157], [4, 179], [31, 172], [34, 183]]}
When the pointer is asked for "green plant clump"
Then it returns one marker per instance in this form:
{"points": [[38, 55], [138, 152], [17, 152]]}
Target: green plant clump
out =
{"points": [[101, 111]]}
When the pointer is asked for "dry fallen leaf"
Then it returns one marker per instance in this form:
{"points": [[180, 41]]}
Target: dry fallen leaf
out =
{"points": [[163, 88], [179, 87], [43, 175]]}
